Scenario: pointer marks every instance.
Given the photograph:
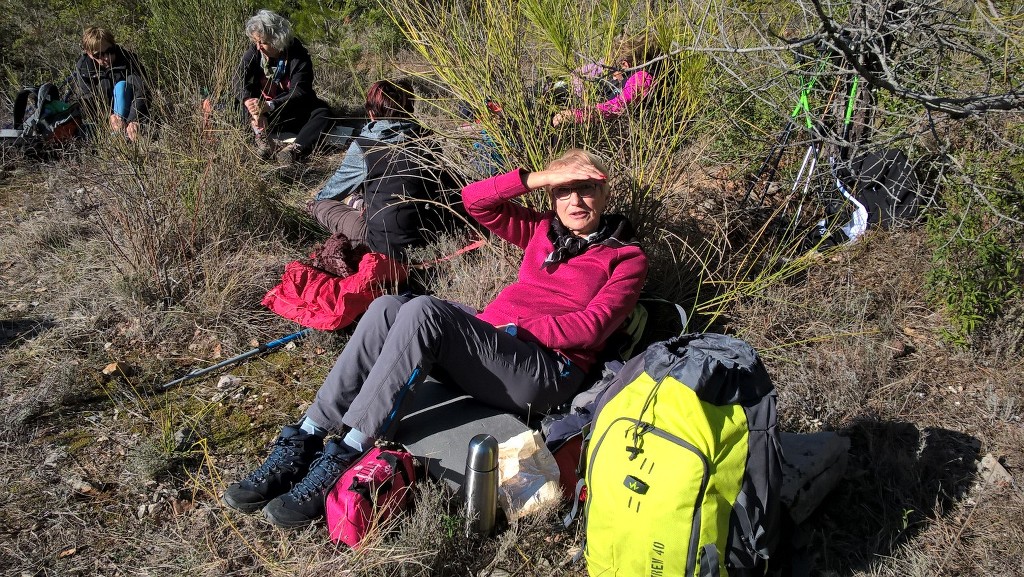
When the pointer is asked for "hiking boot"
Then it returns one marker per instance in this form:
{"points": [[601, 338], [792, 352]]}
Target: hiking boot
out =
{"points": [[290, 154], [288, 463], [266, 146], [305, 503]]}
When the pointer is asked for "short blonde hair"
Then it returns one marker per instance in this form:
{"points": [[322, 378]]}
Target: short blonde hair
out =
{"points": [[579, 154], [94, 38]]}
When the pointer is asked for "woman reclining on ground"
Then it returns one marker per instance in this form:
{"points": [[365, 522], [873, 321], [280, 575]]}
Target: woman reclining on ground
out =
{"points": [[633, 88], [529, 349], [386, 192]]}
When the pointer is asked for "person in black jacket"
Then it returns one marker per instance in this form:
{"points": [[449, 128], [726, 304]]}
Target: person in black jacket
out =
{"points": [[388, 191], [110, 80], [276, 92]]}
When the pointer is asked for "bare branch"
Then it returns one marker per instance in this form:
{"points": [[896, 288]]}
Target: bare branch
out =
{"points": [[838, 38]]}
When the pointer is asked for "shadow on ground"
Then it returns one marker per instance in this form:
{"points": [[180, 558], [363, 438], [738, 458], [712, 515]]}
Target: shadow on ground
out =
{"points": [[14, 332], [897, 480]]}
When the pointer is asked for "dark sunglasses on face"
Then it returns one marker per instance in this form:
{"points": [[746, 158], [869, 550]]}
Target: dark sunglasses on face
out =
{"points": [[584, 190]]}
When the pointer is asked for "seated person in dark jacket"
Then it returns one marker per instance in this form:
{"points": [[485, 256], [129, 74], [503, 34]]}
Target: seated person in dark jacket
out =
{"points": [[276, 92], [387, 189], [109, 80]]}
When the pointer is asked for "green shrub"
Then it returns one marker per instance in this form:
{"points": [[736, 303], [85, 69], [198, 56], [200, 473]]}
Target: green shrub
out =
{"points": [[188, 60], [513, 53], [40, 40], [345, 27], [978, 260]]}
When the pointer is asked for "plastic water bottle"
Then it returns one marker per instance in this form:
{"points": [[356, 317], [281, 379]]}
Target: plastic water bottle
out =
{"points": [[481, 485]]}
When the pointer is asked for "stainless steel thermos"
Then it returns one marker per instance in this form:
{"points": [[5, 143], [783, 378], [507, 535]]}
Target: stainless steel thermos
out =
{"points": [[481, 485]]}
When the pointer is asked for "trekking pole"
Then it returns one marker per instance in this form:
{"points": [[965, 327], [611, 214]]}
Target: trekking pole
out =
{"points": [[258, 350], [807, 168], [771, 163], [809, 163]]}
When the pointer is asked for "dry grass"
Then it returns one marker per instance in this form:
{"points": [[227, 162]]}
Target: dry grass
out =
{"points": [[853, 348], [156, 257], [103, 477]]}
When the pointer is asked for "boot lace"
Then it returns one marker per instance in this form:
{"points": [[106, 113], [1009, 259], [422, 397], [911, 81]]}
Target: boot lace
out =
{"points": [[282, 457], [323, 473]]}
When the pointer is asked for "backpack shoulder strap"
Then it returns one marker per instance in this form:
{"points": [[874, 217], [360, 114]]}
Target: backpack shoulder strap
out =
{"points": [[574, 513], [20, 105]]}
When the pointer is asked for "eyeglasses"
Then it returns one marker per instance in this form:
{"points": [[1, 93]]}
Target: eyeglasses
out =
{"points": [[583, 190], [101, 53], [260, 41]]}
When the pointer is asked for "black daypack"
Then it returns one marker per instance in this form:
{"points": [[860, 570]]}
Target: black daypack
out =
{"points": [[653, 319], [885, 183], [874, 190], [410, 198]]}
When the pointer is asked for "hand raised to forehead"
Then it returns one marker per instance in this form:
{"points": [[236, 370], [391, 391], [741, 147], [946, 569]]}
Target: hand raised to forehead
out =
{"points": [[571, 171]]}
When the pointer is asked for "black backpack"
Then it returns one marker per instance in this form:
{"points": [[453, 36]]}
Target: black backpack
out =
{"points": [[42, 117], [410, 197], [874, 190], [885, 183]]}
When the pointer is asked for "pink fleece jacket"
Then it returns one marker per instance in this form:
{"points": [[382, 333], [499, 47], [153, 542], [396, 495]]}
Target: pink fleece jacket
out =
{"points": [[571, 307], [635, 88]]}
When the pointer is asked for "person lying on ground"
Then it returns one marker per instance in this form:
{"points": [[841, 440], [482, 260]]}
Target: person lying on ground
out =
{"points": [[526, 352], [276, 89], [633, 88], [385, 191], [111, 83], [595, 71]]}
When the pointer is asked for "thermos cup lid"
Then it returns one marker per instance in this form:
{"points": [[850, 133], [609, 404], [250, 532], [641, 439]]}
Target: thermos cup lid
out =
{"points": [[483, 453]]}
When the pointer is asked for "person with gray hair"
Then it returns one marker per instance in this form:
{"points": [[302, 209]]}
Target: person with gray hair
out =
{"points": [[276, 89], [270, 26]]}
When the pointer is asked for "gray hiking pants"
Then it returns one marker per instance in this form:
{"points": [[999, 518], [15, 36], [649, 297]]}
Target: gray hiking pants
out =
{"points": [[400, 340], [336, 216]]}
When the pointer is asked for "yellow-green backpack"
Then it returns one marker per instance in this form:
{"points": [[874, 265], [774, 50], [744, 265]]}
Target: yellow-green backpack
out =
{"points": [[683, 465]]}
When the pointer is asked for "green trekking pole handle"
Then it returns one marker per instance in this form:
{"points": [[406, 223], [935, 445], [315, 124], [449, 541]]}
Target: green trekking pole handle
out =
{"points": [[851, 100], [770, 165], [256, 351]]}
